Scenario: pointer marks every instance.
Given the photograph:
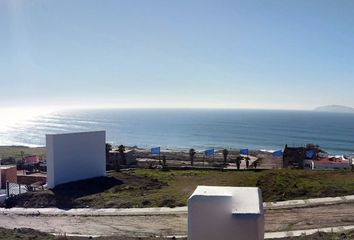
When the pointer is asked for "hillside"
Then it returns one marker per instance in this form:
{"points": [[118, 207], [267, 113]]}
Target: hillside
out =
{"points": [[335, 108], [171, 188]]}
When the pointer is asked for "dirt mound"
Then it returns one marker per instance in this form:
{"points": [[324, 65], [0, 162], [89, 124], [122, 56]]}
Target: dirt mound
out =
{"points": [[23, 233], [33, 200], [77, 194]]}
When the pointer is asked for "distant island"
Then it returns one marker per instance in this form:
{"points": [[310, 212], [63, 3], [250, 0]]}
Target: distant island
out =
{"points": [[335, 108]]}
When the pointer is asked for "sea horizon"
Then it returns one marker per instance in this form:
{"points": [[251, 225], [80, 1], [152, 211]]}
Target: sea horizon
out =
{"points": [[184, 128]]}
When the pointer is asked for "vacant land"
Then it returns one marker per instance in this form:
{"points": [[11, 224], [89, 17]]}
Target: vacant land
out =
{"points": [[25, 233], [323, 236], [175, 223], [171, 188], [17, 152]]}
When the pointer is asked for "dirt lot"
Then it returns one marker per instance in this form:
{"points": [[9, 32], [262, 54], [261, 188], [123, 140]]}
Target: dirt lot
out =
{"points": [[176, 224], [309, 218], [96, 192], [24, 233], [30, 234]]}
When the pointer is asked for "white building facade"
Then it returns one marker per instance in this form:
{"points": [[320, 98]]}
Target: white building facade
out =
{"points": [[75, 156]]}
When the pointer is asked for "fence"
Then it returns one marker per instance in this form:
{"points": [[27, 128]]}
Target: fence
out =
{"points": [[13, 189]]}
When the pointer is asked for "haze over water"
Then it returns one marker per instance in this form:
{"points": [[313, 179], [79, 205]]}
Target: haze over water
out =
{"points": [[200, 129]]}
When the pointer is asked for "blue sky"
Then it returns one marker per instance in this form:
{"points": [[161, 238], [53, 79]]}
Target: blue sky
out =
{"points": [[221, 54]]}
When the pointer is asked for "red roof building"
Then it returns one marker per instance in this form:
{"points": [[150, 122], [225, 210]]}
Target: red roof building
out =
{"points": [[32, 159]]}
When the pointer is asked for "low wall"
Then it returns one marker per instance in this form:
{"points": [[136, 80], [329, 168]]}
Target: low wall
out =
{"points": [[28, 179]]}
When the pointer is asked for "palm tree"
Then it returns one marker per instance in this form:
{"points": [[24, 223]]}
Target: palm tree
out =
{"points": [[192, 152], [121, 150], [225, 153]]}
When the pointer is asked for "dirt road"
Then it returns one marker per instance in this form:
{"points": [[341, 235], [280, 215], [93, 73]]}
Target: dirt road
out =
{"points": [[310, 217], [176, 224]]}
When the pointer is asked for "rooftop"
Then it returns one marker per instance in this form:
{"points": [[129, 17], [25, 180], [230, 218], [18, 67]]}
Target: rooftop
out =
{"points": [[245, 200]]}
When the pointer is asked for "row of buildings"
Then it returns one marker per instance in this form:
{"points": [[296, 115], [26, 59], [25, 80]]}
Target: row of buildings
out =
{"points": [[313, 157], [32, 168]]}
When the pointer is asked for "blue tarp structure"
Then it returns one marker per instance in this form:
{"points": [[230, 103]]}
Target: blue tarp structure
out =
{"points": [[209, 152], [309, 154], [244, 151], [155, 150], [278, 153]]}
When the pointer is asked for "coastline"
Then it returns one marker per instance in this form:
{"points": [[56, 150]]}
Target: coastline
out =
{"points": [[174, 157], [142, 152], [175, 153]]}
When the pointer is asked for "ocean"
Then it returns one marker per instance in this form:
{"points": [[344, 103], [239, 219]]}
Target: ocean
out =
{"points": [[199, 129]]}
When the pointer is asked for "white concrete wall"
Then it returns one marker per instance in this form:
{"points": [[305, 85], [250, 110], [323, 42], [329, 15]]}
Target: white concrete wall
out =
{"points": [[75, 156], [227, 213]]}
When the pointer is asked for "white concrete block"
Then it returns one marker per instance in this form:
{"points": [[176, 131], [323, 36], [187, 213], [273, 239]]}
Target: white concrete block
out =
{"points": [[75, 156], [225, 213]]}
